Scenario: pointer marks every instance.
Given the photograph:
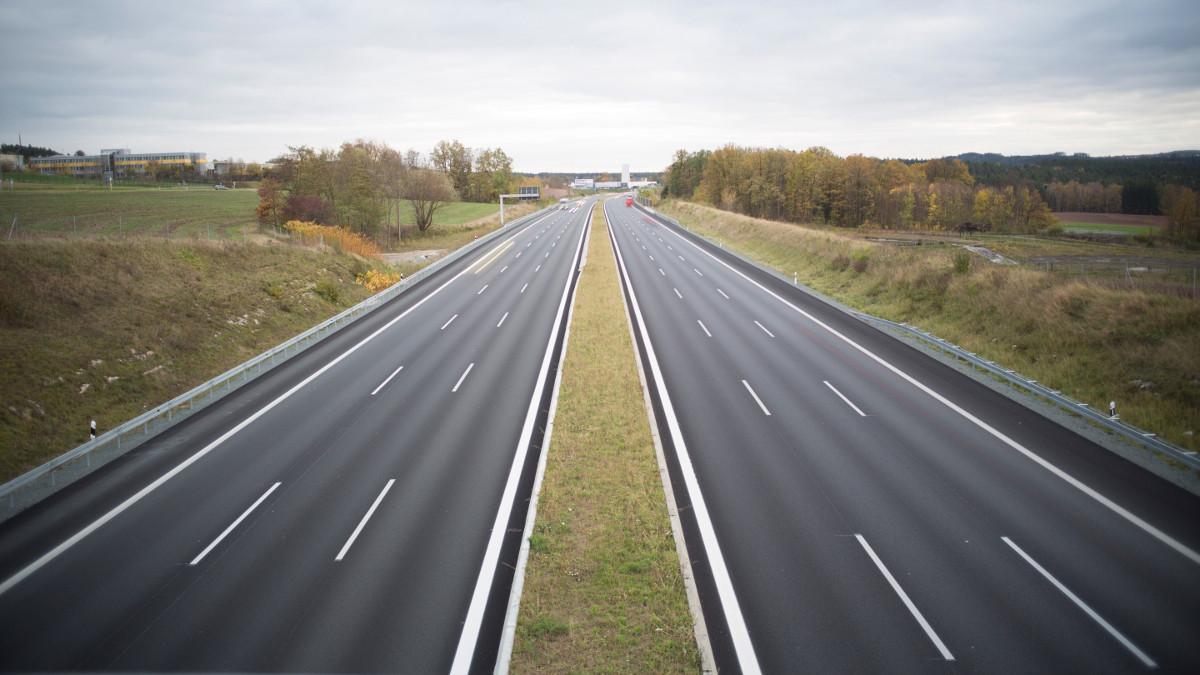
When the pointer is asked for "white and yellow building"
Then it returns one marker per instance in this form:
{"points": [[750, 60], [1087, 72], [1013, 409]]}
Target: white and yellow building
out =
{"points": [[119, 162]]}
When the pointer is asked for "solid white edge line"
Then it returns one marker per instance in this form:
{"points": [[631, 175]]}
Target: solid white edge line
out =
{"points": [[738, 633], [509, 632], [448, 322], [844, 399], [473, 621], [502, 320], [141, 494], [756, 398], [703, 328], [388, 379], [699, 625], [233, 525], [1116, 634], [764, 328], [462, 377], [912, 608], [363, 523], [1121, 511]]}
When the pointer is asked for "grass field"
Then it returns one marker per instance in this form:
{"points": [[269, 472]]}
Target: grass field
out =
{"points": [[603, 591], [144, 211], [61, 206], [1090, 338], [457, 213], [104, 329], [1112, 223], [1109, 228]]}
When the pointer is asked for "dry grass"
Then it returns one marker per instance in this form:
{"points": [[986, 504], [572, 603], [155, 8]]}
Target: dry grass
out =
{"points": [[1094, 340], [105, 329], [603, 591]]}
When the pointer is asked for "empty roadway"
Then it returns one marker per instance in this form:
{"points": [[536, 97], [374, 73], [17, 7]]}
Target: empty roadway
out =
{"points": [[335, 515], [852, 505]]}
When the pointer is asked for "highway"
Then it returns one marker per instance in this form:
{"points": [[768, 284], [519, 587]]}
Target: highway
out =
{"points": [[852, 505], [358, 509]]}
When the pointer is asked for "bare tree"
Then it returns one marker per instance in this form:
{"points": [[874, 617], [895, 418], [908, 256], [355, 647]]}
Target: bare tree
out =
{"points": [[427, 190]]}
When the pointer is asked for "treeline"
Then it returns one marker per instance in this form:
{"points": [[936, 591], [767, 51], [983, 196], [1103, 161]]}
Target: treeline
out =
{"points": [[1172, 168], [362, 186], [477, 175], [818, 186], [26, 151]]}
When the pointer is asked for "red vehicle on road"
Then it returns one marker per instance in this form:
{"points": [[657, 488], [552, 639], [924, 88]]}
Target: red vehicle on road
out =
{"points": [[628, 200]]}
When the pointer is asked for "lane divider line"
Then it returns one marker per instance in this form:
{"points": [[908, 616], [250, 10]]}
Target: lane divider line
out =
{"points": [[363, 523], [677, 293], [525, 286], [912, 608], [756, 398], [1163, 537], [448, 322], [232, 526], [1092, 614], [723, 294], [388, 379], [703, 328], [844, 399], [462, 377], [480, 292], [502, 320], [764, 328]]}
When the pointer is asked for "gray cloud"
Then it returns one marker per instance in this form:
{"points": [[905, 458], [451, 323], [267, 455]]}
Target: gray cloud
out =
{"points": [[586, 87]]}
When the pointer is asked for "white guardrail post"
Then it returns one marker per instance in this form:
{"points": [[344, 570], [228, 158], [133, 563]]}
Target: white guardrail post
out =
{"points": [[26, 490]]}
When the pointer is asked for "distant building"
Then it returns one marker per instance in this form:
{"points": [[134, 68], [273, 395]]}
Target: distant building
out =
{"points": [[625, 174], [584, 183], [606, 184], [119, 162]]}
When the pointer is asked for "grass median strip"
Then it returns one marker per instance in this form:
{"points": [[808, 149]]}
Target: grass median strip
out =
{"points": [[603, 589]]}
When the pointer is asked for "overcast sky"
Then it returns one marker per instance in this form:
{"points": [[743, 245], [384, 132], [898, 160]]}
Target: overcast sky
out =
{"points": [[577, 86]]}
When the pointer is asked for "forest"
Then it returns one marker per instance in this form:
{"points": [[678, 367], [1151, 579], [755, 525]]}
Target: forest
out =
{"points": [[818, 186]]}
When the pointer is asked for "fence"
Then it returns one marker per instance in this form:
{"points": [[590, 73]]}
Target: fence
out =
{"points": [[38, 484]]}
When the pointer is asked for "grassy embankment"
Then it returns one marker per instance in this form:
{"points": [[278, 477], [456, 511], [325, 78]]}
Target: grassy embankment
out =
{"points": [[105, 329], [603, 590], [1091, 338]]}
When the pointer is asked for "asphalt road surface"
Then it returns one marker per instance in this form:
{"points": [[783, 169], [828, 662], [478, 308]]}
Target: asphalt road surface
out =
{"points": [[356, 510], [852, 505]]}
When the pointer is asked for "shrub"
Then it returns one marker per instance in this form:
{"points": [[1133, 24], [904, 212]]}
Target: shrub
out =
{"points": [[339, 238], [330, 290], [840, 263], [307, 208], [375, 281], [962, 262], [860, 263]]}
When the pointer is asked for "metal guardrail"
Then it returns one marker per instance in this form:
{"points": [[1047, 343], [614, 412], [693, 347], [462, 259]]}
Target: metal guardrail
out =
{"points": [[1114, 425], [47, 479]]}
